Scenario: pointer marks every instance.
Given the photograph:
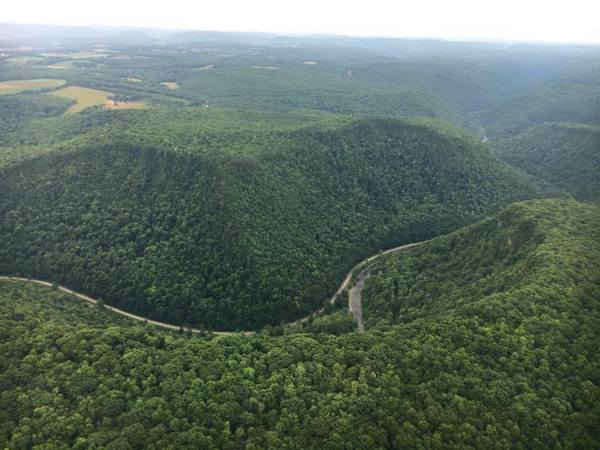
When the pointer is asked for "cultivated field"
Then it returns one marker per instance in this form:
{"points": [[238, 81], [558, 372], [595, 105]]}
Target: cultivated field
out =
{"points": [[170, 84], [24, 59], [14, 86], [87, 97], [62, 65], [86, 55], [111, 104]]}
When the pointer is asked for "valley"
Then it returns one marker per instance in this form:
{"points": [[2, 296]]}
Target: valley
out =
{"points": [[249, 240]]}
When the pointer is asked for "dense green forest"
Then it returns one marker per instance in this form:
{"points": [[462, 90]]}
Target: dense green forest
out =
{"points": [[565, 154], [512, 363], [241, 194], [569, 101], [552, 133], [229, 181], [239, 229], [545, 250]]}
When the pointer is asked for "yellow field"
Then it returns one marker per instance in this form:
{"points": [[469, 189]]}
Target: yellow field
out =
{"points": [[61, 65], [86, 97], [111, 104], [14, 86], [208, 67], [170, 84], [86, 55]]}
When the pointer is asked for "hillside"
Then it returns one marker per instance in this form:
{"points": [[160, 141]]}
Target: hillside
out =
{"points": [[568, 101], [567, 155], [537, 259], [235, 229], [495, 346]]}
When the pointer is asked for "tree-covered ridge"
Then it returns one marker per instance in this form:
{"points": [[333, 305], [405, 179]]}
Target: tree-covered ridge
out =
{"points": [[567, 155], [534, 258], [569, 101], [240, 229], [515, 369]]}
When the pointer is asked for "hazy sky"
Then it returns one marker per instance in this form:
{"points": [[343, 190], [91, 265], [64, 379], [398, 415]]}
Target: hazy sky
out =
{"points": [[537, 20]]}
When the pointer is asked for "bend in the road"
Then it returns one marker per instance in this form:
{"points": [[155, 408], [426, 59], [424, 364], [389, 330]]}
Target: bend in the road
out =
{"points": [[354, 300], [355, 291]]}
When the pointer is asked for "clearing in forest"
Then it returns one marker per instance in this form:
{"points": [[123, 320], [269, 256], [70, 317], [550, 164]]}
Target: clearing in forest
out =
{"points": [[62, 65], [87, 97], [134, 80], [170, 84], [18, 60], [111, 104], [14, 86], [208, 67], [266, 67], [86, 55]]}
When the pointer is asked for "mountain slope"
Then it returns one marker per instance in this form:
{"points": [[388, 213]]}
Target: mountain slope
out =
{"points": [[532, 257], [476, 364], [553, 102], [243, 228], [567, 155]]}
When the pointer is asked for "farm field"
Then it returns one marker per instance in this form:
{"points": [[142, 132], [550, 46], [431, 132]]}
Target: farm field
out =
{"points": [[257, 189], [170, 84], [112, 104], [18, 60], [15, 86], [87, 97], [61, 65]]}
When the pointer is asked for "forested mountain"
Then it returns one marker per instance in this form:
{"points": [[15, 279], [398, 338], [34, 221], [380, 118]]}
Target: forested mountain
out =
{"points": [[566, 154], [533, 259], [552, 133], [240, 229], [574, 102], [229, 181], [493, 345]]}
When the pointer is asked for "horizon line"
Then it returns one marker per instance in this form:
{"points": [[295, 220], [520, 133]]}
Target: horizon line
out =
{"points": [[307, 34]]}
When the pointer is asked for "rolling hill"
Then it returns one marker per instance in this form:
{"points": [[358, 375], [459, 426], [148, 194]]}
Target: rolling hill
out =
{"points": [[533, 258], [565, 154]]}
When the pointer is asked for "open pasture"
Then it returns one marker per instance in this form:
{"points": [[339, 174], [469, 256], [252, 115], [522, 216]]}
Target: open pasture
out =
{"points": [[20, 60], [170, 84], [87, 97], [15, 86]]}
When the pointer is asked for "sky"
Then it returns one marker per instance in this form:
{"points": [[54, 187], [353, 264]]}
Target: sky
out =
{"points": [[513, 20]]}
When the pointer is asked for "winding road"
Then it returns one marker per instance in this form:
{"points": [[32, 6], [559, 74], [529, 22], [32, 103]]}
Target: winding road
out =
{"points": [[354, 293], [354, 300], [117, 310]]}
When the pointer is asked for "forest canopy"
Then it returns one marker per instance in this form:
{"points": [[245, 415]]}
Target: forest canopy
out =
{"points": [[505, 367]]}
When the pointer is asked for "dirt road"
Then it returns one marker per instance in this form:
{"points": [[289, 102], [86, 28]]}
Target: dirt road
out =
{"points": [[116, 310], [354, 293], [354, 300]]}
